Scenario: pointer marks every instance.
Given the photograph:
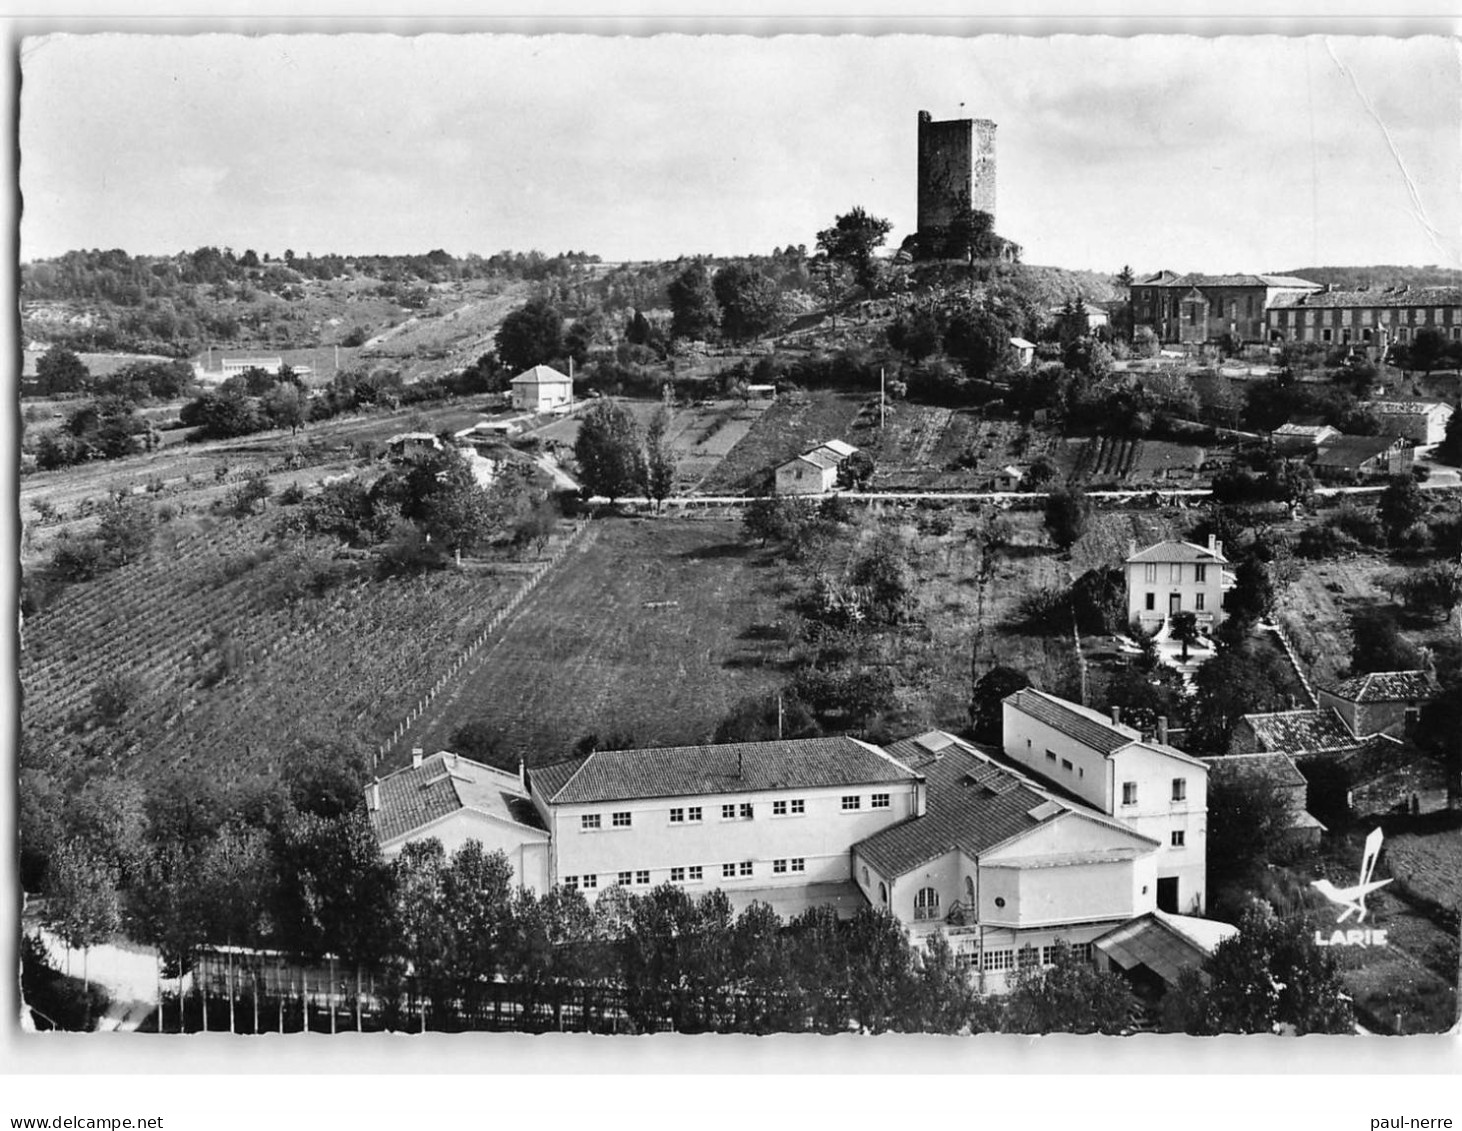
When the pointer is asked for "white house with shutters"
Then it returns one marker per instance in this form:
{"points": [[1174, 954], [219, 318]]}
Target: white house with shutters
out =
{"points": [[1153, 788], [1177, 577]]}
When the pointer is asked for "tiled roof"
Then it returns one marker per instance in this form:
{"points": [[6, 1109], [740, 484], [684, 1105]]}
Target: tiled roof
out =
{"points": [[1408, 408], [443, 784], [1380, 756], [1300, 732], [818, 458], [1195, 279], [972, 804], [1276, 768], [1386, 687], [1352, 451], [1175, 551], [540, 375], [737, 767], [1399, 297], [838, 447], [1091, 728], [1313, 431]]}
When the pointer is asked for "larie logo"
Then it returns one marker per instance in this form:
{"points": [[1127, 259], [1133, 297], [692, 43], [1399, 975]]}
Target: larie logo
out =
{"points": [[1353, 900]]}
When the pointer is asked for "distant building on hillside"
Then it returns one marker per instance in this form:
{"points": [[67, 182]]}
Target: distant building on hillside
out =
{"points": [[1421, 422], [1193, 309], [1372, 318], [1351, 458], [542, 389], [815, 471], [1380, 702], [1176, 577]]}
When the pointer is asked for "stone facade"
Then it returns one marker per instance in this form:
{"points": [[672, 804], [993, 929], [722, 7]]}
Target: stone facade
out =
{"points": [[1371, 318], [956, 167], [1196, 308]]}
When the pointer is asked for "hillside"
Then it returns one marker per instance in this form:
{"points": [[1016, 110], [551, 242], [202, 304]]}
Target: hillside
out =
{"points": [[1380, 276]]}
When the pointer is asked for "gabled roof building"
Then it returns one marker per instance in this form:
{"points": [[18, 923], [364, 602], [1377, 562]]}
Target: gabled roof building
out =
{"points": [[1197, 308], [1176, 577], [999, 864]]}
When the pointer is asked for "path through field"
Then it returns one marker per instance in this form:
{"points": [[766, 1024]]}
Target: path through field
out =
{"points": [[654, 628]]}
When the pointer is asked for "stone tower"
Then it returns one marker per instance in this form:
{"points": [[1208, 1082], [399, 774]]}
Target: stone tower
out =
{"points": [[956, 164]]}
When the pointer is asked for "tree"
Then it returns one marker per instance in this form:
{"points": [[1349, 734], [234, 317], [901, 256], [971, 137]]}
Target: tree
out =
{"points": [[1271, 977], [1248, 823], [1428, 350], [1099, 600], [1377, 644], [1401, 506], [1432, 591], [987, 713], [1184, 628], [885, 573], [1068, 996], [659, 459], [979, 341], [852, 240], [126, 531], [530, 335], [287, 406], [1252, 597], [1236, 681], [856, 472], [58, 370], [1124, 277], [608, 450], [81, 900], [750, 302], [695, 312], [1067, 513]]}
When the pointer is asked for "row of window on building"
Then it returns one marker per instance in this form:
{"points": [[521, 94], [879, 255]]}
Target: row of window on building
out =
{"points": [[1200, 602], [691, 873], [1009, 959], [1175, 572], [736, 811]]}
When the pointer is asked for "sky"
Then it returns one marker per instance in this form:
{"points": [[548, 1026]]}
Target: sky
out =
{"points": [[1214, 155]]}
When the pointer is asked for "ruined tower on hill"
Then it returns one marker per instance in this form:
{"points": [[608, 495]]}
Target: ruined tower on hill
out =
{"points": [[956, 167]]}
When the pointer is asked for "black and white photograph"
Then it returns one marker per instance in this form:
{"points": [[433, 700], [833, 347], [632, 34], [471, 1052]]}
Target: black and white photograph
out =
{"points": [[727, 534]]}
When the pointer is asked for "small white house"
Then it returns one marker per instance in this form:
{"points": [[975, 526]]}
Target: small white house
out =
{"points": [[815, 471], [542, 389], [1025, 352]]}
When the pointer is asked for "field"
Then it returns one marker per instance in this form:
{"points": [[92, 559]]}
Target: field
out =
{"points": [[1115, 462], [701, 433], [786, 429], [659, 625], [1430, 864], [233, 655], [654, 628]]}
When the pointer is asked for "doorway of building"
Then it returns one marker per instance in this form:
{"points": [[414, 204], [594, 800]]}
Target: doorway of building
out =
{"points": [[1167, 895], [1175, 603]]}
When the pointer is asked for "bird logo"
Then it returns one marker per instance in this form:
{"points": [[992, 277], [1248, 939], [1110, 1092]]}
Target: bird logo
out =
{"points": [[1353, 899]]}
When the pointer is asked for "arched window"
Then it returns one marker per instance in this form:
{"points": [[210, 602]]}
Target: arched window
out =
{"points": [[882, 892], [926, 904], [970, 892], [865, 875]]}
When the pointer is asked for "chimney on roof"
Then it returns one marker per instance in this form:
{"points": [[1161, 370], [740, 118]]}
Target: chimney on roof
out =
{"points": [[523, 774], [375, 799], [1117, 715], [416, 757], [1162, 729]]}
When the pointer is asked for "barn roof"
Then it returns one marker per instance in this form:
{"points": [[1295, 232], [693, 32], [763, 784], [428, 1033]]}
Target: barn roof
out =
{"points": [[1386, 687], [736, 767], [445, 783], [973, 803], [1300, 732]]}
